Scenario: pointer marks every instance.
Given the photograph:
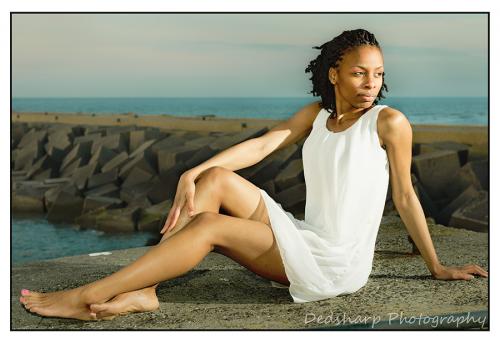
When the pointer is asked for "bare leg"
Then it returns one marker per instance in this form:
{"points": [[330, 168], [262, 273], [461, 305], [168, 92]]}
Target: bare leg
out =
{"points": [[248, 242], [215, 188], [142, 300], [159, 263]]}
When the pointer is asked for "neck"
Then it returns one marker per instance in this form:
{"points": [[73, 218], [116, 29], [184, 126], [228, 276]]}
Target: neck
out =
{"points": [[350, 112]]}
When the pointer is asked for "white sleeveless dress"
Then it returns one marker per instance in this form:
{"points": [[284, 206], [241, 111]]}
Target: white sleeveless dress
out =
{"points": [[330, 253]]}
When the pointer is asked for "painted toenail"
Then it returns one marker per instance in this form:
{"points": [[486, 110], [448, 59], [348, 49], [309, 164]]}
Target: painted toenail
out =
{"points": [[25, 292]]}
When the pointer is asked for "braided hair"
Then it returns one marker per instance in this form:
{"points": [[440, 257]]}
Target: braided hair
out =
{"points": [[330, 56]]}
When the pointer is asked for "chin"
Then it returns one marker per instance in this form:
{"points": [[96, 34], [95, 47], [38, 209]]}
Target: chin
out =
{"points": [[366, 104]]}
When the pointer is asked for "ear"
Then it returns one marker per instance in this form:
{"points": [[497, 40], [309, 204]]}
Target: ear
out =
{"points": [[332, 75]]}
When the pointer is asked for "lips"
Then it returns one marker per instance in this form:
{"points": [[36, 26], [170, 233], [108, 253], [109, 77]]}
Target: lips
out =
{"points": [[366, 97]]}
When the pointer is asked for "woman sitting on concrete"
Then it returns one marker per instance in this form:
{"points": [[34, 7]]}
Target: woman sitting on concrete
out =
{"points": [[351, 142]]}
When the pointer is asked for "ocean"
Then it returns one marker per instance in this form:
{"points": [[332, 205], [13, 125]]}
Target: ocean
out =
{"points": [[34, 238], [429, 110]]}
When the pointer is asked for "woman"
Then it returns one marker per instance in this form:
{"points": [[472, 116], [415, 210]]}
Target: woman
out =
{"points": [[351, 141]]}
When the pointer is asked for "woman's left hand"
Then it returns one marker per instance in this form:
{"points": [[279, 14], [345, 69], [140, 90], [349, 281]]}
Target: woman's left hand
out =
{"points": [[466, 272]]}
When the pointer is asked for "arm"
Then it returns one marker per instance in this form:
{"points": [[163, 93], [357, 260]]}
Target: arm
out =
{"points": [[252, 151], [396, 133], [239, 156]]}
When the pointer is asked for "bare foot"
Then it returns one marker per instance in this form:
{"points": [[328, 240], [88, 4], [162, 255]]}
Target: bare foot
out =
{"points": [[142, 300], [63, 304]]}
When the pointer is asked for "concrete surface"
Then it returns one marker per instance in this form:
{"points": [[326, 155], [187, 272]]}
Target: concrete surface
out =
{"points": [[220, 294]]}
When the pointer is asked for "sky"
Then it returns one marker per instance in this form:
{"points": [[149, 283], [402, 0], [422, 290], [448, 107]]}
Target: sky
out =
{"points": [[236, 55]]}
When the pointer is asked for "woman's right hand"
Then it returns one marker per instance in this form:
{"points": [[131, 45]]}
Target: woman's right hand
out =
{"points": [[184, 195]]}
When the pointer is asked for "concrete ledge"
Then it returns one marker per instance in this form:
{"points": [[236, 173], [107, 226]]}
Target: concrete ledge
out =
{"points": [[220, 294], [474, 135]]}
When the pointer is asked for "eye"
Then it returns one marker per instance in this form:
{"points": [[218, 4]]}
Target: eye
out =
{"points": [[358, 72]]}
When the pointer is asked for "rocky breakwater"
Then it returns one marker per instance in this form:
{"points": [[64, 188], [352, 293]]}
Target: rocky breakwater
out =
{"points": [[124, 178], [119, 179]]}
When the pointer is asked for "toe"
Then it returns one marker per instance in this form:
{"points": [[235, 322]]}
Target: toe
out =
{"points": [[98, 307], [103, 311]]}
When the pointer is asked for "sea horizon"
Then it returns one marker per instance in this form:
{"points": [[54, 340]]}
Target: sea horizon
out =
{"points": [[471, 110]]}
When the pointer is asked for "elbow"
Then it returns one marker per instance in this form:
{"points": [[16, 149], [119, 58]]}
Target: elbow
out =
{"points": [[404, 199]]}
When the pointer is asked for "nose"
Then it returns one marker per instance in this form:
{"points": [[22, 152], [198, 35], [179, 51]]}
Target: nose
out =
{"points": [[371, 82]]}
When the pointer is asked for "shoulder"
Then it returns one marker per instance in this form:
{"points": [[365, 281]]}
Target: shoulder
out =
{"points": [[312, 109], [393, 125], [306, 115]]}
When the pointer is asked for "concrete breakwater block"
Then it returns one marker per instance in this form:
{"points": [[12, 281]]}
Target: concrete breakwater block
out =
{"points": [[137, 190], [67, 205], [57, 181], [462, 150], [80, 150], [28, 200], [70, 169], [103, 178], [292, 174], [201, 155], [92, 202], [138, 137], [102, 156], [115, 162], [434, 169], [443, 217], [110, 190], [144, 148], [17, 132], [153, 218], [44, 163], [428, 205], [137, 176], [473, 215], [117, 142], [50, 195], [174, 156], [88, 220], [227, 141], [139, 161], [270, 165], [57, 154], [88, 137], [270, 188], [27, 155], [201, 141], [165, 186], [59, 138], [27, 196], [474, 173], [293, 199], [173, 140], [118, 220], [34, 135], [81, 175]]}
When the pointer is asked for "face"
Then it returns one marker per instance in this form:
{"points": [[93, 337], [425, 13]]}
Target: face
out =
{"points": [[358, 78]]}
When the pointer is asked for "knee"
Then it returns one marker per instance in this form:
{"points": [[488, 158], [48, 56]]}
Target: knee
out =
{"points": [[203, 223], [215, 176]]}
